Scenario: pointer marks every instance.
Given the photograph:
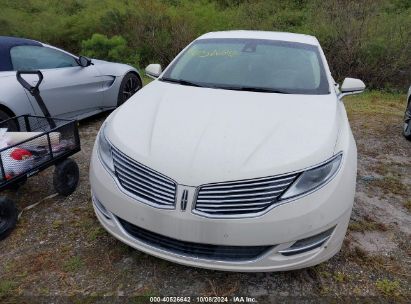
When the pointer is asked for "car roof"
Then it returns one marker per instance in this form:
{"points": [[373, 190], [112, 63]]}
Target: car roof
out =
{"points": [[281, 36], [6, 43]]}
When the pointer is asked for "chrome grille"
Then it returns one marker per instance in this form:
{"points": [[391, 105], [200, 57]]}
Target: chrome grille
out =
{"points": [[144, 183], [239, 198]]}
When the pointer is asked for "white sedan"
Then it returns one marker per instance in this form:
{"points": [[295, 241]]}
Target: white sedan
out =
{"points": [[239, 156], [73, 87]]}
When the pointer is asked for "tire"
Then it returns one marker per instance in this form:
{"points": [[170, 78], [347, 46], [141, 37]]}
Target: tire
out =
{"points": [[66, 177], [129, 86], [407, 122], [17, 186], [11, 126], [8, 217]]}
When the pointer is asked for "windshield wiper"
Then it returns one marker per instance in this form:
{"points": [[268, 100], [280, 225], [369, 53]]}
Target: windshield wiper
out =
{"points": [[182, 81], [235, 88], [254, 89]]}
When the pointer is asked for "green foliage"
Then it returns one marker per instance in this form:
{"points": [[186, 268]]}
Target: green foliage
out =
{"points": [[388, 288], [73, 264], [369, 39], [112, 49], [6, 287]]}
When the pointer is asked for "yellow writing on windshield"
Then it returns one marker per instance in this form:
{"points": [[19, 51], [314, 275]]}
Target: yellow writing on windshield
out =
{"points": [[213, 53]]}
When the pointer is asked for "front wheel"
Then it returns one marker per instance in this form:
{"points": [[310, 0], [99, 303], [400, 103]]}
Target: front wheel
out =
{"points": [[66, 177], [407, 122], [129, 86], [8, 217], [11, 125]]}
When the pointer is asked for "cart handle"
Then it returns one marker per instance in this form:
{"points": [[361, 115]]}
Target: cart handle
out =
{"points": [[34, 90]]}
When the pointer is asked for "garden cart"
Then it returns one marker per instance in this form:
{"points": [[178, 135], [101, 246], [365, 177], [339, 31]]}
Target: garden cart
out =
{"points": [[30, 144]]}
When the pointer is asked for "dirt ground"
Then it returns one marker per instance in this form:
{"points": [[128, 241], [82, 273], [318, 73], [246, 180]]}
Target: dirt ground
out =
{"points": [[59, 249]]}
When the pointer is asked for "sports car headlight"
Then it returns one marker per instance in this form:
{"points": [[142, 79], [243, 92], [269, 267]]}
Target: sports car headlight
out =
{"points": [[104, 150], [314, 178]]}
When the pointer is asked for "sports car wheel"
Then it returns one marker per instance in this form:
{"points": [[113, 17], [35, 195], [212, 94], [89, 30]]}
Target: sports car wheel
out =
{"points": [[129, 86], [407, 122], [11, 125]]}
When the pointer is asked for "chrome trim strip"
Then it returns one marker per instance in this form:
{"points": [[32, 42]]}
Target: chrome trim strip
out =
{"points": [[241, 205], [210, 211], [318, 243], [241, 195], [217, 201], [236, 189], [305, 248], [248, 183]]}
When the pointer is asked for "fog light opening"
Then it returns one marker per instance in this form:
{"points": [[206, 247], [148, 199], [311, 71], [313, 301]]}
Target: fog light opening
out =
{"points": [[100, 207], [308, 244]]}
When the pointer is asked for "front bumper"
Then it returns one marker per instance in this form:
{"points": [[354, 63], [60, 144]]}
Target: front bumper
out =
{"points": [[328, 207]]}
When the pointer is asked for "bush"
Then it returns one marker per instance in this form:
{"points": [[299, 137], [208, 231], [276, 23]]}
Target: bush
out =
{"points": [[366, 40], [113, 49]]}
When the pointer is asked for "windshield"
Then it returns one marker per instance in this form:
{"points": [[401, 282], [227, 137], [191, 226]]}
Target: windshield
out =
{"points": [[251, 65]]}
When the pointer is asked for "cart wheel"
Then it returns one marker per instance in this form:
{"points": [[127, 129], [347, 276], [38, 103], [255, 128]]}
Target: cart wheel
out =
{"points": [[8, 217], [17, 186], [66, 177]]}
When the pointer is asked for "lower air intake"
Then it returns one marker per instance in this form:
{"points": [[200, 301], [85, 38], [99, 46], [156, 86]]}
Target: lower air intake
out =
{"points": [[195, 250]]}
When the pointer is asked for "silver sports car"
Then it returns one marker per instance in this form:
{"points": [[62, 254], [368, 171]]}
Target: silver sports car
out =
{"points": [[73, 87]]}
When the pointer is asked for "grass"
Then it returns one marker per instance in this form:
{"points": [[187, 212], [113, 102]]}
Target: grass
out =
{"points": [[6, 287], [366, 224], [73, 264], [340, 277], [95, 233], [376, 102], [375, 264], [388, 288], [392, 184], [57, 224], [146, 79], [359, 254]]}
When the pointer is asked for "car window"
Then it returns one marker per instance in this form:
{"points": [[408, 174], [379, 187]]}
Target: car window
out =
{"points": [[29, 57], [266, 64]]}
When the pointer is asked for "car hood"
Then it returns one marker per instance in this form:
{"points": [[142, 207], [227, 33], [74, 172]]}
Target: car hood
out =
{"points": [[201, 135]]}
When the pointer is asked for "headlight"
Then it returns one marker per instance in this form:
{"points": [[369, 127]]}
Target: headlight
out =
{"points": [[314, 178], [104, 150]]}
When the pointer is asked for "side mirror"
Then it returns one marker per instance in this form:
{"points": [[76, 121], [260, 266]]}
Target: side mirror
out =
{"points": [[84, 61], [352, 86], [153, 70]]}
